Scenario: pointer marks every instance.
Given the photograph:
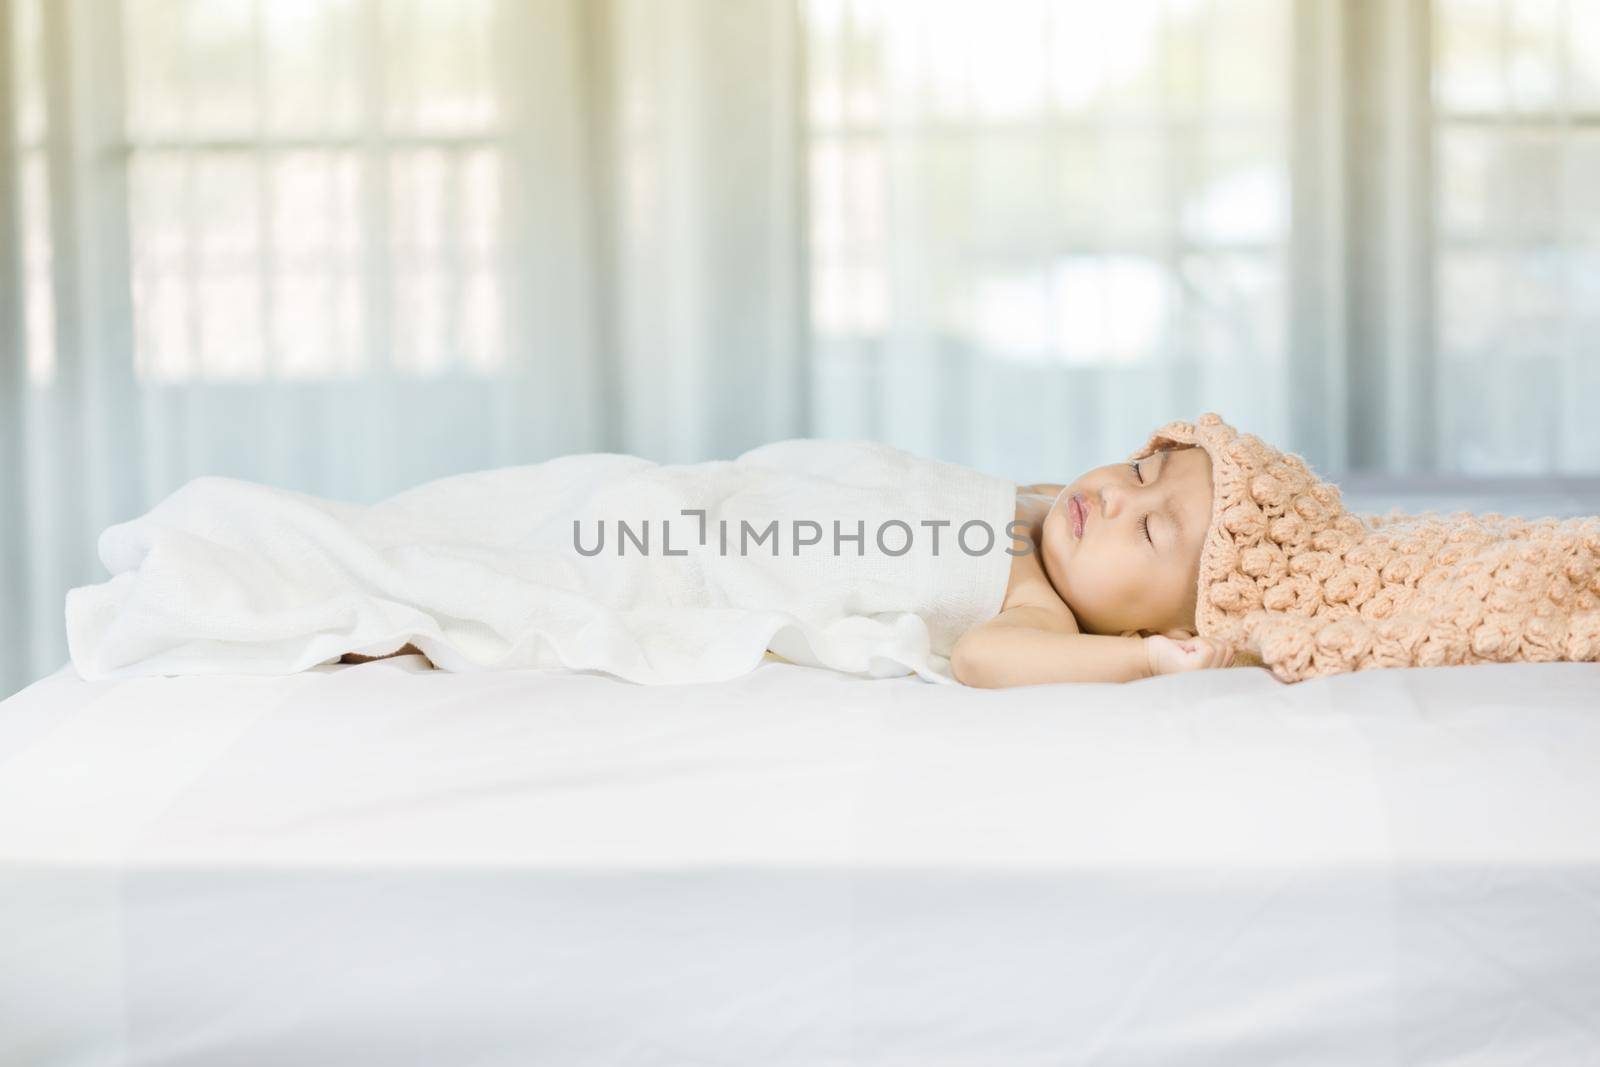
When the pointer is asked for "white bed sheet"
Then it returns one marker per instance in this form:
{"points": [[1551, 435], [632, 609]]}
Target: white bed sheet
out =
{"points": [[383, 864]]}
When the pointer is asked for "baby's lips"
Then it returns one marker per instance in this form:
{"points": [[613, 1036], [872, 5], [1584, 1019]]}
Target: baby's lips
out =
{"points": [[1078, 514]]}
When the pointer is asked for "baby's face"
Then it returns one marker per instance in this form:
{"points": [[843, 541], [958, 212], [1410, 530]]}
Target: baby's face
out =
{"points": [[1122, 545]]}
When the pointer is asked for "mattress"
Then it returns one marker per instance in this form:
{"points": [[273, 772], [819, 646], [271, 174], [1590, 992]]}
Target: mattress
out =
{"points": [[386, 864]]}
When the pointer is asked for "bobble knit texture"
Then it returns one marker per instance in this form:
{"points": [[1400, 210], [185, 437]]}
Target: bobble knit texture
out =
{"points": [[1297, 583]]}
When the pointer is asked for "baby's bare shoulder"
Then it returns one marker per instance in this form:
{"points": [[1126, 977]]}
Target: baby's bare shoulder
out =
{"points": [[1028, 584]]}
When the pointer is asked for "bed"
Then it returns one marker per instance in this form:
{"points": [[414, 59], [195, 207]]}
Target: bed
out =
{"points": [[379, 863]]}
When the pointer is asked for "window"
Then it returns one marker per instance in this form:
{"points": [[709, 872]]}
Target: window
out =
{"points": [[1046, 198], [314, 188], [1516, 93]]}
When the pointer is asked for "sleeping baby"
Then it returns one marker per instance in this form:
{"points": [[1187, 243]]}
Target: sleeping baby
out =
{"points": [[1208, 547]]}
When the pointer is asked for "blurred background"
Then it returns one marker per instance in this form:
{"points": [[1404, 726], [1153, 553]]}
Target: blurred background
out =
{"points": [[348, 246]]}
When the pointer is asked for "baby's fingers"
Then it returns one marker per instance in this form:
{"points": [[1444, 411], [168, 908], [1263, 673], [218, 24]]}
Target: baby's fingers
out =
{"points": [[1213, 653]]}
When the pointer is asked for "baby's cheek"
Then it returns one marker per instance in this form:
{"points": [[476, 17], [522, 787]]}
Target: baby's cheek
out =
{"points": [[1054, 560], [1054, 548], [1164, 592], [1124, 594], [1099, 586]]}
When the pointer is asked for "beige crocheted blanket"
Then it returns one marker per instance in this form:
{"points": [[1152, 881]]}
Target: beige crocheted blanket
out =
{"points": [[1296, 582], [1427, 590]]}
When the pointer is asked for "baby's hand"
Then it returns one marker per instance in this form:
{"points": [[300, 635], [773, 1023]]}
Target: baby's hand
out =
{"points": [[1170, 655]]}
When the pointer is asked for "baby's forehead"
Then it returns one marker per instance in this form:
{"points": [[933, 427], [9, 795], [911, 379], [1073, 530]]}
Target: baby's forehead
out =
{"points": [[1192, 454], [1197, 488], [1189, 456]]}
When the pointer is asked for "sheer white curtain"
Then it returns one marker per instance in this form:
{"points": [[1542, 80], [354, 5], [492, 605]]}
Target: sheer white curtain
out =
{"points": [[346, 246]]}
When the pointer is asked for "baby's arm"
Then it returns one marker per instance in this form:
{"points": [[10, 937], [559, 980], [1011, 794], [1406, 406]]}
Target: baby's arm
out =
{"points": [[1030, 645]]}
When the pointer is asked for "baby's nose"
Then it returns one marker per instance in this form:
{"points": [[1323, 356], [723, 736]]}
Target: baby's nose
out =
{"points": [[1110, 501]]}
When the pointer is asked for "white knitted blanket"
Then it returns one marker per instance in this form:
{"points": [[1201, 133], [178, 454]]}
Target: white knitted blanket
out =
{"points": [[702, 569]]}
